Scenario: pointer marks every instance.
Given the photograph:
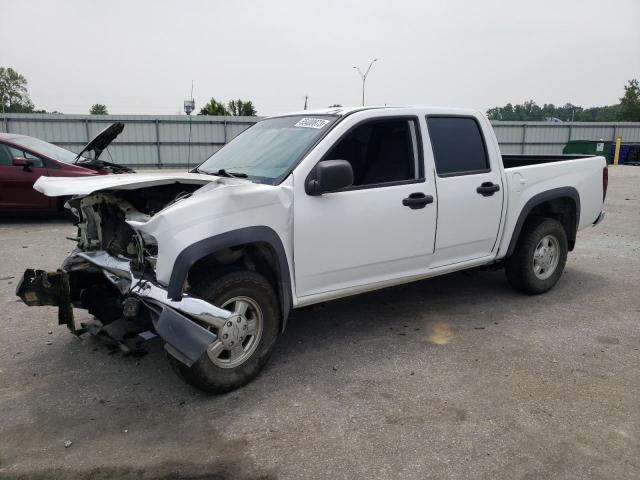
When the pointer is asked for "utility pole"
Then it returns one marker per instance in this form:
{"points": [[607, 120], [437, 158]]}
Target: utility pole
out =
{"points": [[306, 97], [189, 106], [364, 76], [4, 119], [573, 110]]}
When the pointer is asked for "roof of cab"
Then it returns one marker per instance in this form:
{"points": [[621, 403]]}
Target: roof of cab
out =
{"points": [[341, 111], [326, 111]]}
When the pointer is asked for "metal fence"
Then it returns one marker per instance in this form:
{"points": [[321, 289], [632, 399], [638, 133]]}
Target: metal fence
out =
{"points": [[163, 141], [545, 137], [147, 141]]}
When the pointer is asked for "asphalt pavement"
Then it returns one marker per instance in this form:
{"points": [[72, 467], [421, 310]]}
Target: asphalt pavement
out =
{"points": [[453, 377]]}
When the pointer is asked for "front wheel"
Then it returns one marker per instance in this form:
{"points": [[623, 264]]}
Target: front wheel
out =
{"points": [[540, 256], [242, 346]]}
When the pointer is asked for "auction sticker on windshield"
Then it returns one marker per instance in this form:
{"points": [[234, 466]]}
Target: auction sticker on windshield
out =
{"points": [[311, 123]]}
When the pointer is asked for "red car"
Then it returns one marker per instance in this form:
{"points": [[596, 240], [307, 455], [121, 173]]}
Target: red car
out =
{"points": [[24, 159]]}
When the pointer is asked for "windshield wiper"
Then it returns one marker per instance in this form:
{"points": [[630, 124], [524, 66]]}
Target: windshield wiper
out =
{"points": [[223, 173]]}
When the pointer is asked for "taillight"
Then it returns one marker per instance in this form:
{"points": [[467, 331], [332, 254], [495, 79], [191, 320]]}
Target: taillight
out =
{"points": [[605, 182]]}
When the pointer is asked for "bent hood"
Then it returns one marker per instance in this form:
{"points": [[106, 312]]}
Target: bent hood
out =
{"points": [[70, 186]]}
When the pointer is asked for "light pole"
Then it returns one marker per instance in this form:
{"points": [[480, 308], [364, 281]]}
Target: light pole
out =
{"points": [[364, 76]]}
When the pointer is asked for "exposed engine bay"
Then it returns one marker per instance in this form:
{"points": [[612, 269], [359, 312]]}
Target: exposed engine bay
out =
{"points": [[102, 219], [102, 227], [106, 167]]}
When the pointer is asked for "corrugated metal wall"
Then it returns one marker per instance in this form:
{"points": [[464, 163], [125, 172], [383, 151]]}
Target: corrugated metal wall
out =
{"points": [[545, 137], [147, 141], [162, 141]]}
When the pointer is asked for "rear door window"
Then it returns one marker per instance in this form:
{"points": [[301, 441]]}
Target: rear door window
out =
{"points": [[458, 145]]}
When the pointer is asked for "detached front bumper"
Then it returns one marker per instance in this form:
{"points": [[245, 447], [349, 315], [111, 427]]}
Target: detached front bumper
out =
{"points": [[178, 322]]}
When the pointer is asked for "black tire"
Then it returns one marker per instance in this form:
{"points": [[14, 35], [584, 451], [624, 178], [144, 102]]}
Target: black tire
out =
{"points": [[520, 266], [211, 378]]}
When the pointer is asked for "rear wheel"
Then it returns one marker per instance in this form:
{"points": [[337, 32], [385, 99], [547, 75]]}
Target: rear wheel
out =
{"points": [[243, 344], [540, 256]]}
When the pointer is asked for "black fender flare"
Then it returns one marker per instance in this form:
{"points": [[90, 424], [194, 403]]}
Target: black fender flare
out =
{"points": [[190, 255], [540, 198]]}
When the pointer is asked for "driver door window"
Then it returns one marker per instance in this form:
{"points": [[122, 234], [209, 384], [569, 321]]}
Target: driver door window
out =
{"points": [[380, 152]]}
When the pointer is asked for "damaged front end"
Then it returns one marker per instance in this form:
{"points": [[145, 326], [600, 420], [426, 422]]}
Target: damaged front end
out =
{"points": [[112, 275]]}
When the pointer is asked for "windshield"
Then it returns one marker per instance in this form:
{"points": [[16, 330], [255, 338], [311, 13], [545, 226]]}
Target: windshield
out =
{"points": [[270, 148], [47, 149]]}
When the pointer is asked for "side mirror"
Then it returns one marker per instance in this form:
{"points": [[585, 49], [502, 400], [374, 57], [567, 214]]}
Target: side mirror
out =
{"points": [[329, 176], [22, 162]]}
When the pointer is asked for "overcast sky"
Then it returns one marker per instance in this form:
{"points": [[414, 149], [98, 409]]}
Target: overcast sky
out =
{"points": [[139, 57]]}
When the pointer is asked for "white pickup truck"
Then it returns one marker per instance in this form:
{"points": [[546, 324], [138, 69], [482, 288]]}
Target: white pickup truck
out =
{"points": [[305, 208]]}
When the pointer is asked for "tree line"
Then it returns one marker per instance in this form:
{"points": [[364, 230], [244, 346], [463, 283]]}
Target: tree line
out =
{"points": [[236, 108], [628, 110], [14, 94], [15, 99]]}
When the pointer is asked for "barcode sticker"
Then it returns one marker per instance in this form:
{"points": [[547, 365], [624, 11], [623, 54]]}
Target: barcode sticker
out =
{"points": [[311, 123]]}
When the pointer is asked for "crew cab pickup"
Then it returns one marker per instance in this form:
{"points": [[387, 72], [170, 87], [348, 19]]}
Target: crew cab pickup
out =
{"points": [[304, 208]]}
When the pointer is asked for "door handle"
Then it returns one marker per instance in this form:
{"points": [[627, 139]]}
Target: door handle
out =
{"points": [[417, 200], [487, 189]]}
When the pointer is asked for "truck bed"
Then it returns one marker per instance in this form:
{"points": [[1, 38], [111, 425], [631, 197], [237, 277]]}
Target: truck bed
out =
{"points": [[528, 176], [512, 161]]}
